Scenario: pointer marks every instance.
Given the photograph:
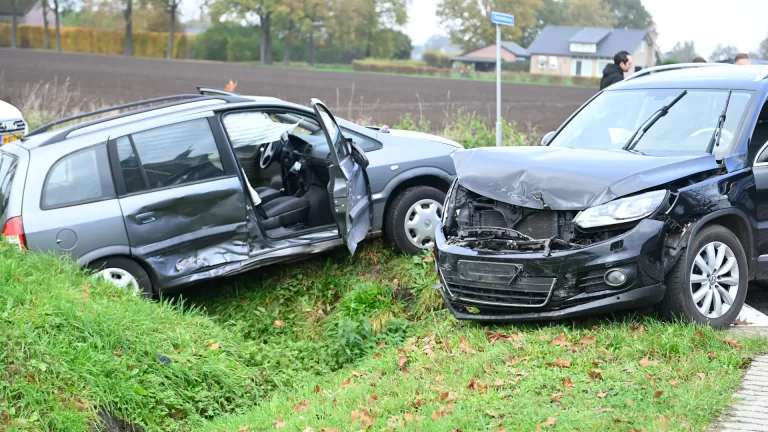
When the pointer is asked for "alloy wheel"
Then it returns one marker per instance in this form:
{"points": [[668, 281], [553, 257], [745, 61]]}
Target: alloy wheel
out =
{"points": [[420, 222], [714, 279]]}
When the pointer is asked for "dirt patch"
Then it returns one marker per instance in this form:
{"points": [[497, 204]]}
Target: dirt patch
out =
{"points": [[372, 97]]}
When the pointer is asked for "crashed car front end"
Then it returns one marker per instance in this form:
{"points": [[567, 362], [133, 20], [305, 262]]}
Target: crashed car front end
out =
{"points": [[553, 240]]}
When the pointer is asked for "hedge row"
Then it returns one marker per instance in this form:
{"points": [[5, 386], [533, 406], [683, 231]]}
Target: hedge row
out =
{"points": [[398, 67], [84, 40]]}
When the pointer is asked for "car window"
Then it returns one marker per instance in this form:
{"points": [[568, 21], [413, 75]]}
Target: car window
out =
{"points": [[366, 144], [172, 155], [609, 121], [253, 128], [79, 178]]}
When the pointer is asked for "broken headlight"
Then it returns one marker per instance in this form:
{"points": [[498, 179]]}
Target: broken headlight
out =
{"points": [[621, 210]]}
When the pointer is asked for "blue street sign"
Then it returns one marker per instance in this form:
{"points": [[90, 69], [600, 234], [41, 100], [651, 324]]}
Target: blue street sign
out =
{"points": [[502, 19]]}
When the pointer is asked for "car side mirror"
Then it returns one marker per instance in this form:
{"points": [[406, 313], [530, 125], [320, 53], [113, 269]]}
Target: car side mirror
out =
{"points": [[547, 138]]}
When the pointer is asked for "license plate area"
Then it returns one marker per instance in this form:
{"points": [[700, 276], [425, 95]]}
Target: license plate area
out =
{"points": [[7, 139], [490, 272]]}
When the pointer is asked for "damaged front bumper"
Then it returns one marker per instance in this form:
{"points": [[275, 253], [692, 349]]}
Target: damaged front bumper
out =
{"points": [[556, 284]]}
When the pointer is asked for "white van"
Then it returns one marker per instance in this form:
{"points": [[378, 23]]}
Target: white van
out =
{"points": [[12, 124]]}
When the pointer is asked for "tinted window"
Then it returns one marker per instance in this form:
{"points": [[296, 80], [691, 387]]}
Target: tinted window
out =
{"points": [[7, 172], [172, 155], [366, 144], [79, 178], [129, 164]]}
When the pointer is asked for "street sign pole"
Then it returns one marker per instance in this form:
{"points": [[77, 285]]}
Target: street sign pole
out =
{"points": [[498, 86], [499, 19]]}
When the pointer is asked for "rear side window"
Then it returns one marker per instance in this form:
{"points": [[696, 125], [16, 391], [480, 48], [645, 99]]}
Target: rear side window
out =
{"points": [[169, 156], [8, 165], [79, 178]]}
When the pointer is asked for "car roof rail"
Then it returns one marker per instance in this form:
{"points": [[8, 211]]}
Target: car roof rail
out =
{"points": [[210, 91], [671, 67], [182, 97]]}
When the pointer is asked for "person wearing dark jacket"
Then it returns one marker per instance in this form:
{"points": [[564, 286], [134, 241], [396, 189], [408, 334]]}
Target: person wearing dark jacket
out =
{"points": [[614, 72]]}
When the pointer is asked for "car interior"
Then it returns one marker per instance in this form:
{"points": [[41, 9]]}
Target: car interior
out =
{"points": [[285, 159]]}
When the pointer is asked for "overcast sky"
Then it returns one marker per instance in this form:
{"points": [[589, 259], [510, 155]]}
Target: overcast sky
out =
{"points": [[741, 23]]}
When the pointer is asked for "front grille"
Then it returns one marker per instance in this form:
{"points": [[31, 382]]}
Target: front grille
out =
{"points": [[497, 284], [17, 126]]}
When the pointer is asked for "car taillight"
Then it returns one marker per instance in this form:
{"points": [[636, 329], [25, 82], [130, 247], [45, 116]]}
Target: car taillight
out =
{"points": [[14, 232]]}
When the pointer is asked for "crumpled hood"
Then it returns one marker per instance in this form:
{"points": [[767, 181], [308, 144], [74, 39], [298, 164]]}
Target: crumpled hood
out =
{"points": [[568, 179], [423, 136]]}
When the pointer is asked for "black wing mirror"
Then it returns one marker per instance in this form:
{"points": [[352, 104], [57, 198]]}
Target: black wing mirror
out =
{"points": [[547, 138]]}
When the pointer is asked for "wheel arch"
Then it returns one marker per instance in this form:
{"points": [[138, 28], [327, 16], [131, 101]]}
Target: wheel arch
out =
{"points": [[119, 252], [738, 223], [435, 178]]}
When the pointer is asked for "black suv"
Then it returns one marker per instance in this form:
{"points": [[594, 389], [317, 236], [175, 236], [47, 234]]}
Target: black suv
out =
{"points": [[655, 192]]}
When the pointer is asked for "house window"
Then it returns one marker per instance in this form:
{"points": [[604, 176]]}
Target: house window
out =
{"points": [[542, 62], [553, 63], [642, 47], [583, 47]]}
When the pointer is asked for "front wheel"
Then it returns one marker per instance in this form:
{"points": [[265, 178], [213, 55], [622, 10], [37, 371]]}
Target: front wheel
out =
{"points": [[412, 218], [708, 285]]}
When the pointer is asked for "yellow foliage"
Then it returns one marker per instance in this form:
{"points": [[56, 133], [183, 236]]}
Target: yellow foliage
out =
{"points": [[85, 40]]}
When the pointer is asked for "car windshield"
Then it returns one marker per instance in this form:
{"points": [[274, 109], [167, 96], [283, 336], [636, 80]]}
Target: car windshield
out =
{"points": [[611, 119]]}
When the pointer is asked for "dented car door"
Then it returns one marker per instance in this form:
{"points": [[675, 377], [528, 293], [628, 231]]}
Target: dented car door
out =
{"points": [[183, 204]]}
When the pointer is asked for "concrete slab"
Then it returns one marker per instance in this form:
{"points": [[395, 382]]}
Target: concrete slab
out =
{"points": [[750, 413]]}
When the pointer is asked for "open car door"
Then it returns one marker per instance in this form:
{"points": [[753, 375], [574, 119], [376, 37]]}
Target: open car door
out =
{"points": [[349, 189]]}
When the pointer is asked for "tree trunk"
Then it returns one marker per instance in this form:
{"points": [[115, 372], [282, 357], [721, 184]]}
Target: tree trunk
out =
{"points": [[57, 17], [14, 27], [312, 46], [266, 39], [47, 45], [128, 16], [288, 44], [171, 31]]}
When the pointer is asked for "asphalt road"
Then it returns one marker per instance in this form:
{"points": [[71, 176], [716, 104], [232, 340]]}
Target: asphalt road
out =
{"points": [[373, 97]]}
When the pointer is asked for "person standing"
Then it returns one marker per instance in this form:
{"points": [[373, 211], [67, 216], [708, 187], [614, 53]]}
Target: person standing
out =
{"points": [[614, 72], [742, 59]]}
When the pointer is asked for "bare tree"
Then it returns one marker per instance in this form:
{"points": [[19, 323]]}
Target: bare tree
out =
{"points": [[57, 15], [44, 4], [128, 16], [14, 22], [171, 8]]}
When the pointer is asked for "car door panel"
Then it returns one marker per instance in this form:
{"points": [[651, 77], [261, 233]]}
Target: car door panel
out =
{"points": [[348, 188]]}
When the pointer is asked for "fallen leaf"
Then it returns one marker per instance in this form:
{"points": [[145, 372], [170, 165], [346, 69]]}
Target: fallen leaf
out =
{"points": [[214, 346], [495, 414], [230, 86], [418, 403], [345, 383], [118, 352], [308, 429], [556, 396], [301, 406], [630, 402], [650, 380], [658, 394], [560, 363], [568, 384], [279, 423], [512, 361], [396, 284], [317, 389], [373, 398], [596, 374], [630, 370], [672, 382], [448, 397], [544, 338], [464, 346], [498, 336], [279, 323], [619, 420], [473, 385], [356, 373], [402, 360], [499, 382], [329, 430], [561, 340], [441, 412], [605, 410], [733, 343], [587, 340], [549, 422], [501, 429], [742, 322], [711, 355], [428, 259], [645, 362], [245, 428], [365, 418], [637, 328], [701, 376], [602, 394]]}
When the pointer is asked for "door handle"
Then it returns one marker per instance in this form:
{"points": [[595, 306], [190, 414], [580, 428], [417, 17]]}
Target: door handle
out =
{"points": [[145, 218]]}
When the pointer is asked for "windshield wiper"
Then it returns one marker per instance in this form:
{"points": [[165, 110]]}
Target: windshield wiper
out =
{"points": [[656, 116], [715, 140]]}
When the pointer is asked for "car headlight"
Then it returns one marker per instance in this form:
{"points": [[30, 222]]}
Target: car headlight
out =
{"points": [[621, 210]]}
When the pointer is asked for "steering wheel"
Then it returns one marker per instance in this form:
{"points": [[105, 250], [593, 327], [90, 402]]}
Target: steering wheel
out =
{"points": [[710, 131], [272, 151]]}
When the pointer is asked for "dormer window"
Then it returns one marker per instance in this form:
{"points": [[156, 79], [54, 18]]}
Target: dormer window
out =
{"points": [[583, 47]]}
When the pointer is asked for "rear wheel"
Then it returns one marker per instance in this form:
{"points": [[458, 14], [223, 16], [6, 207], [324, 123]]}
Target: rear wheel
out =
{"points": [[124, 273], [412, 218], [709, 284]]}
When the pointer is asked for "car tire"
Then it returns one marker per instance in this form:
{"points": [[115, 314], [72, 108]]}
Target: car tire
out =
{"points": [[682, 299], [404, 208], [124, 273]]}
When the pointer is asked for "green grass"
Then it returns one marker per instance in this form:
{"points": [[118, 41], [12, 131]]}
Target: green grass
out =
{"points": [[337, 342]]}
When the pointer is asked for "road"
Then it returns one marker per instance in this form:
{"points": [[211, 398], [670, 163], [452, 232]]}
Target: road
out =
{"points": [[376, 98]]}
